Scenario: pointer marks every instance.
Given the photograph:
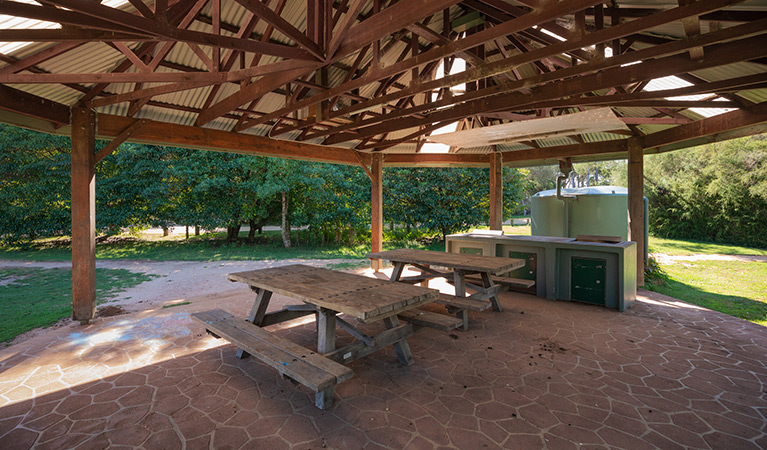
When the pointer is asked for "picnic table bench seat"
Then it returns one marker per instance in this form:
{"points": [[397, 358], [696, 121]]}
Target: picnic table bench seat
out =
{"points": [[291, 360], [421, 317], [505, 281], [471, 304]]}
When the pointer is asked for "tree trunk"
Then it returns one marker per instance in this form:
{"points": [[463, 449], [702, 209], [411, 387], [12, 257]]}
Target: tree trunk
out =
{"points": [[196, 230], [285, 223], [251, 229], [165, 231], [352, 235], [232, 233], [187, 231]]}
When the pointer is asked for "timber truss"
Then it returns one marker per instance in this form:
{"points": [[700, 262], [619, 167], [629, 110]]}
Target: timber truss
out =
{"points": [[338, 80]]}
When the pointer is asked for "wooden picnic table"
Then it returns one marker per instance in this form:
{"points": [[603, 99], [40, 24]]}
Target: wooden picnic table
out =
{"points": [[460, 265], [325, 293]]}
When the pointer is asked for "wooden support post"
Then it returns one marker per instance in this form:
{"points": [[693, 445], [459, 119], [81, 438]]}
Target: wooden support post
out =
{"points": [[83, 207], [326, 343], [636, 202], [376, 206], [496, 191]]}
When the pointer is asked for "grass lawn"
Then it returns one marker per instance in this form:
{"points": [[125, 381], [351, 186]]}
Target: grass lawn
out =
{"points": [[680, 248], [33, 297], [736, 288], [208, 247]]}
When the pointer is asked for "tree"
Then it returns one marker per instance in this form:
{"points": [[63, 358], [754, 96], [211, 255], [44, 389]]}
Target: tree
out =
{"points": [[713, 193], [335, 199], [445, 200], [34, 184]]}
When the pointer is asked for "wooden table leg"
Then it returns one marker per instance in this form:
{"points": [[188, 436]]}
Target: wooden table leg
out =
{"points": [[487, 283], [425, 283], [396, 273], [459, 280], [402, 348], [257, 313], [326, 343]]}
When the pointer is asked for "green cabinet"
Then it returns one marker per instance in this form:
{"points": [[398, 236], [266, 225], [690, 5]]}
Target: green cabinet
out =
{"points": [[587, 280], [527, 272]]}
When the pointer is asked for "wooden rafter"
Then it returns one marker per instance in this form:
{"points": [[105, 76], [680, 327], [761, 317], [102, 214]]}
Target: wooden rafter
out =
{"points": [[369, 77], [498, 67], [474, 104]]}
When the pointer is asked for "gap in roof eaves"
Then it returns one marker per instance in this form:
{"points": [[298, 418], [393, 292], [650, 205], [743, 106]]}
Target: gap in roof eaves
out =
{"points": [[674, 82]]}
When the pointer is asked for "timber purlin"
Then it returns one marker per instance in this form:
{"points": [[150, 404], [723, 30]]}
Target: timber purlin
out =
{"points": [[291, 360]]}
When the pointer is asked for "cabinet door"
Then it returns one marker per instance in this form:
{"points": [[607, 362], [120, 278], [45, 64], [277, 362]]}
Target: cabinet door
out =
{"points": [[587, 280], [528, 272]]}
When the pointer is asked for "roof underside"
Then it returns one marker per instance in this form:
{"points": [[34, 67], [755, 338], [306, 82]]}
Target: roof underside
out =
{"points": [[368, 75]]}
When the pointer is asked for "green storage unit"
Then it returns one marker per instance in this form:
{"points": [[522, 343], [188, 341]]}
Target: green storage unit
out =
{"points": [[587, 280], [528, 272]]}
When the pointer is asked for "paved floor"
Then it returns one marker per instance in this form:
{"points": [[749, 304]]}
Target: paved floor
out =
{"points": [[540, 374]]}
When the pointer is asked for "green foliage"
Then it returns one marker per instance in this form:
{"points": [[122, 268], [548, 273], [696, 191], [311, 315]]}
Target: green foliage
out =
{"points": [[34, 184], [138, 186], [654, 273], [32, 297], [445, 200], [715, 193]]}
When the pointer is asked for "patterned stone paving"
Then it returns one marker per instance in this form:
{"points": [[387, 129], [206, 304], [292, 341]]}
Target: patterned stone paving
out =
{"points": [[538, 375]]}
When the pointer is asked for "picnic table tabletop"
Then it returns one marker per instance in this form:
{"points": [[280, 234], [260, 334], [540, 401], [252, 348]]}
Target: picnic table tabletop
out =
{"points": [[367, 299], [460, 261]]}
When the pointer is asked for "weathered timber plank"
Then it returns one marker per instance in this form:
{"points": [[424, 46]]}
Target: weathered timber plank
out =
{"points": [[491, 264], [425, 318], [283, 315], [367, 299], [510, 281], [240, 332], [463, 302], [360, 349]]}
